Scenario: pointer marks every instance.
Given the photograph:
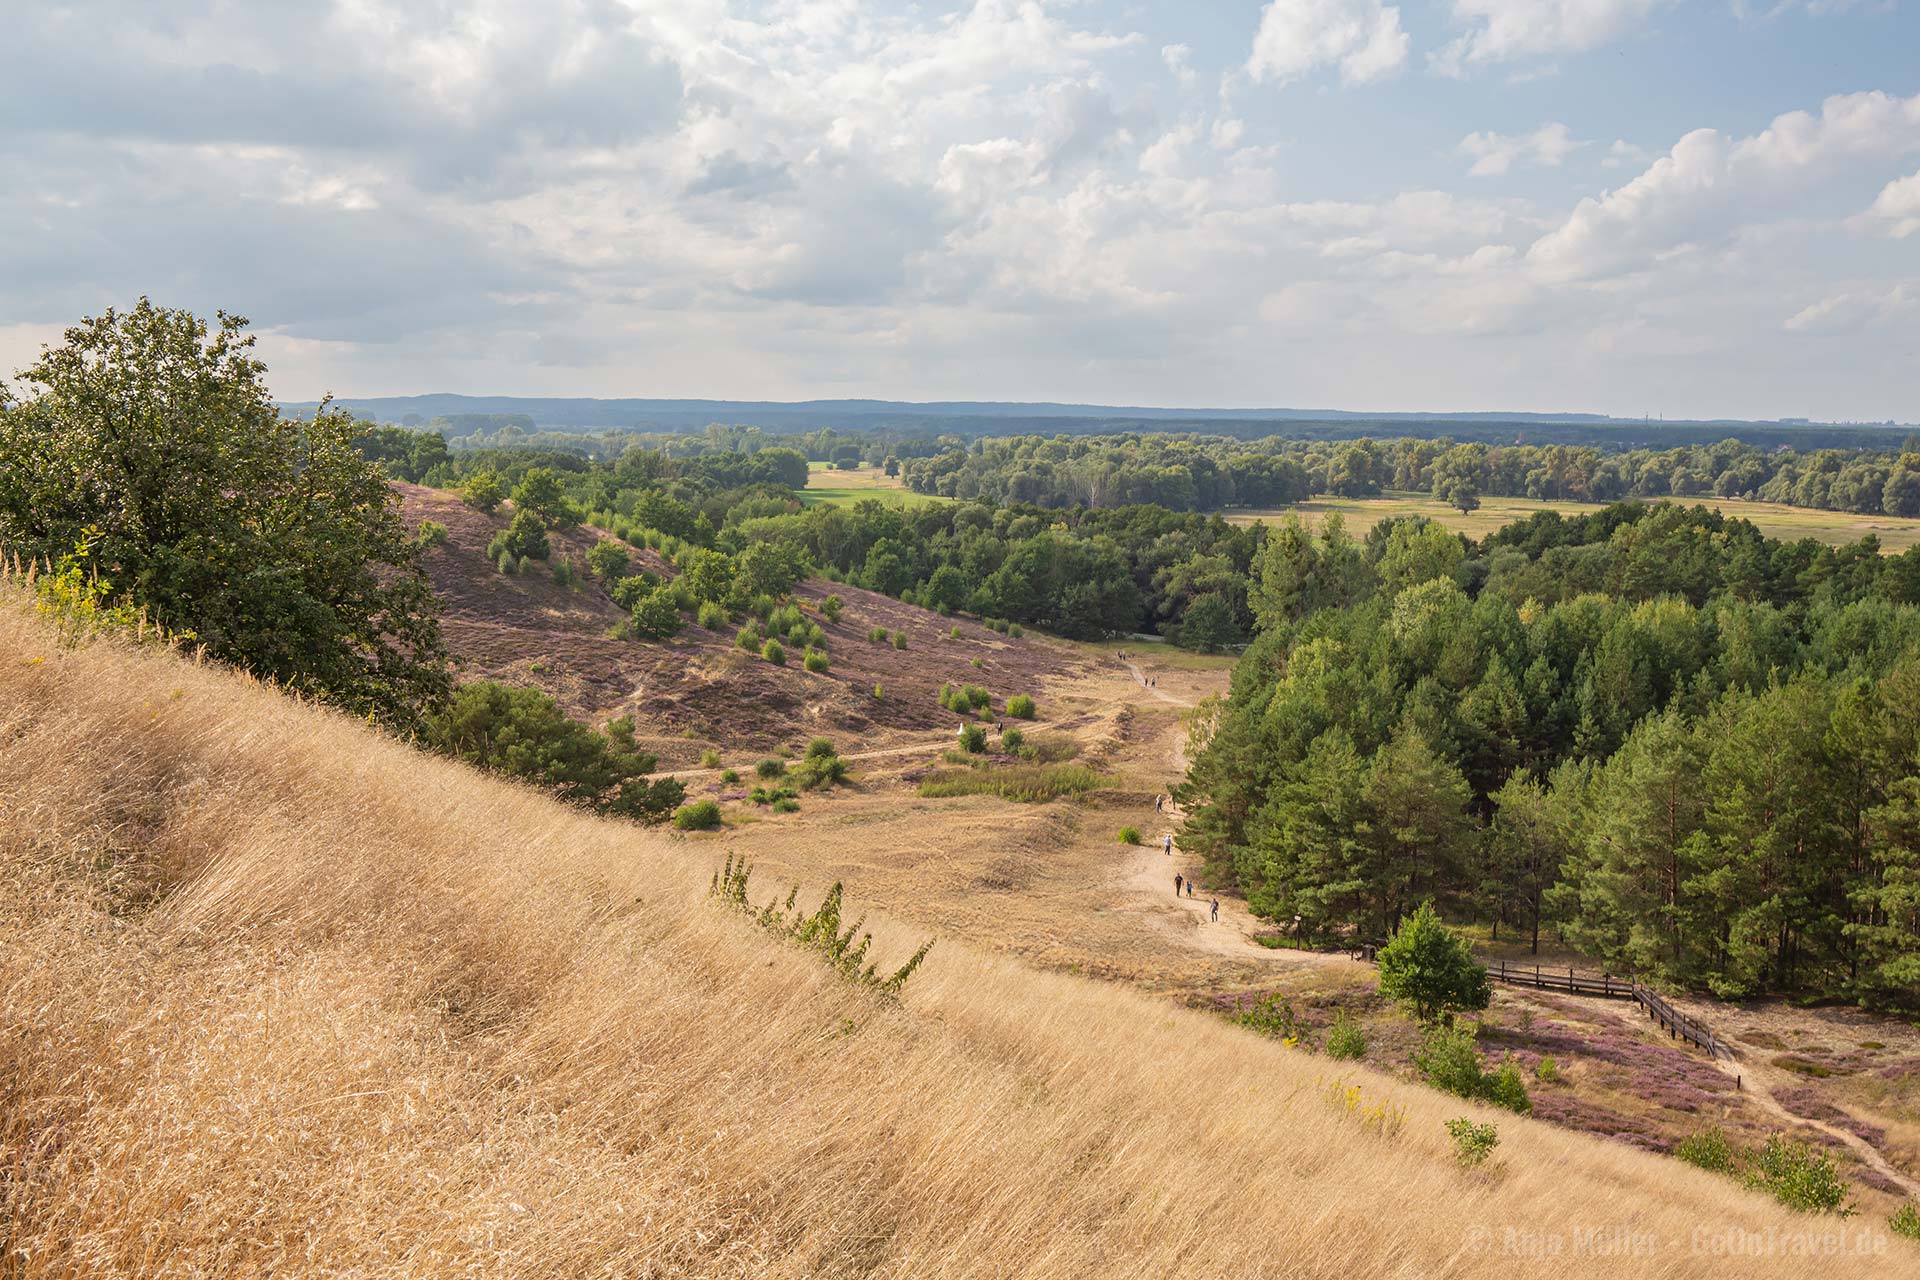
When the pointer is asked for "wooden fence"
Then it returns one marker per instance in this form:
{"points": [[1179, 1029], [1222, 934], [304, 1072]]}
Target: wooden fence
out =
{"points": [[1678, 1025]]}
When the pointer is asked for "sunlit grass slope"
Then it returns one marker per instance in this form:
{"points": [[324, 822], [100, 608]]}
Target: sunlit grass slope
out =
{"points": [[281, 996]]}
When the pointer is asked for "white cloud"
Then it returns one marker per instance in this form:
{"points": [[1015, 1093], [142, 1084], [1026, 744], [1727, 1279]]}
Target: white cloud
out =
{"points": [[1855, 310], [1179, 60], [1363, 38], [1495, 153], [1708, 186], [1621, 153], [1897, 208], [1505, 30]]}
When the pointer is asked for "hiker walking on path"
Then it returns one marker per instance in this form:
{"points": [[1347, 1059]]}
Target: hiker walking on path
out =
{"points": [[1178, 880], [1169, 846], [1216, 910]]}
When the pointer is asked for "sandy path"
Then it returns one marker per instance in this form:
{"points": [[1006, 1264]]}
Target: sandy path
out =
{"points": [[1758, 1081], [1140, 677]]}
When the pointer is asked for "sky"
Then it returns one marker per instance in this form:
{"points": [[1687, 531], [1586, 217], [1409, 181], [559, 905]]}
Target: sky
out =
{"points": [[1683, 208]]}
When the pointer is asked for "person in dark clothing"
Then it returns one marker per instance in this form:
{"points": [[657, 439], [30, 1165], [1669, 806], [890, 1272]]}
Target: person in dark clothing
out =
{"points": [[1216, 908], [1178, 880]]}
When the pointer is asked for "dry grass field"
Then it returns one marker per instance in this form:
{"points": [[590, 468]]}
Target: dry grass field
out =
{"points": [[1772, 518], [827, 485], [282, 996]]}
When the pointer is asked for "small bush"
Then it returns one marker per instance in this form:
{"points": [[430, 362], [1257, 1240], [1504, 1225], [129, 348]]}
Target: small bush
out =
{"points": [[1010, 740], [607, 560], [1345, 1039], [879, 692], [979, 664], [785, 804], [701, 815], [770, 768], [709, 759], [1049, 748], [505, 562], [953, 632], [713, 616], [1906, 1222], [1272, 1016], [820, 748], [1472, 1143], [899, 639], [748, 637], [816, 661], [526, 565], [1800, 1177], [973, 739], [656, 615], [1016, 631], [563, 572], [730, 776], [761, 607], [1129, 835], [816, 636], [774, 653], [877, 635], [1505, 1088], [830, 608], [1708, 1149], [432, 534], [1449, 1061], [976, 697], [1548, 1072], [1020, 706]]}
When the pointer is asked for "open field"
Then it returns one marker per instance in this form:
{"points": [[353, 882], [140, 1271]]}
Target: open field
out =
{"points": [[844, 487], [1772, 518]]}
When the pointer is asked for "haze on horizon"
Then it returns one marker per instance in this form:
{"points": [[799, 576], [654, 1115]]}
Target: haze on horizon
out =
{"points": [[1614, 206]]}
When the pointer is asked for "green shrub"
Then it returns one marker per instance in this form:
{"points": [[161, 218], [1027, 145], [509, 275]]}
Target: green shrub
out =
{"points": [[1020, 706], [877, 635], [709, 759], [773, 653], [1548, 1072], [1472, 1143], [1049, 748], [816, 635], [973, 739], [1708, 1149], [819, 932], [1345, 1039], [483, 491], [1449, 1061], [1129, 835], [748, 637], [1906, 1222], [975, 696], [761, 607], [713, 616], [1800, 1177], [701, 815], [785, 804], [879, 692], [523, 537], [979, 664], [1272, 1016], [656, 615], [899, 639], [607, 560], [525, 566], [505, 563], [820, 748], [830, 608], [1010, 740], [953, 632], [432, 534], [771, 768], [1504, 1088], [1016, 631], [814, 660], [730, 776], [563, 572], [797, 635], [1428, 968]]}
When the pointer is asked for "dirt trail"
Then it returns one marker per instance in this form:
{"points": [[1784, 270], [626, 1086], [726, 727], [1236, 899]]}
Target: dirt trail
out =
{"points": [[1151, 870], [1141, 678], [1758, 1081]]}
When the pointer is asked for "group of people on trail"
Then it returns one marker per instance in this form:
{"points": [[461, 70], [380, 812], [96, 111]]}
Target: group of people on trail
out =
{"points": [[1187, 883]]}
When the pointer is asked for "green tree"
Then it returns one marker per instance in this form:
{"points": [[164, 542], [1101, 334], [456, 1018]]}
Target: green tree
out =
{"points": [[524, 734], [523, 537], [1426, 967], [274, 542], [608, 560], [483, 491], [656, 615], [540, 493]]}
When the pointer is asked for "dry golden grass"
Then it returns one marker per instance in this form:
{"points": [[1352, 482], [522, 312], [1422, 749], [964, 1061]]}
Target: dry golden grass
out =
{"points": [[279, 996]]}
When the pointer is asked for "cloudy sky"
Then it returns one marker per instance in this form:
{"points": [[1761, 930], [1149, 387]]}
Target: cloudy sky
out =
{"points": [[1679, 207]]}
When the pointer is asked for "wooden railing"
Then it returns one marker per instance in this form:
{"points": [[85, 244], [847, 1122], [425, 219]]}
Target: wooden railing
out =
{"points": [[1678, 1025]]}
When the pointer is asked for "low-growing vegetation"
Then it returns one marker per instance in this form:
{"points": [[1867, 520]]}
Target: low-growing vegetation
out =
{"points": [[817, 931], [701, 815], [1029, 783]]}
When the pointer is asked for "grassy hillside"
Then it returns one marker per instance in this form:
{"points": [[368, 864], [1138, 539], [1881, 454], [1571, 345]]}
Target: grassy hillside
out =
{"points": [[699, 688], [282, 996]]}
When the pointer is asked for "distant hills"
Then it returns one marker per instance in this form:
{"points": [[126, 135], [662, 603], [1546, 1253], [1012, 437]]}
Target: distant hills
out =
{"points": [[992, 417]]}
